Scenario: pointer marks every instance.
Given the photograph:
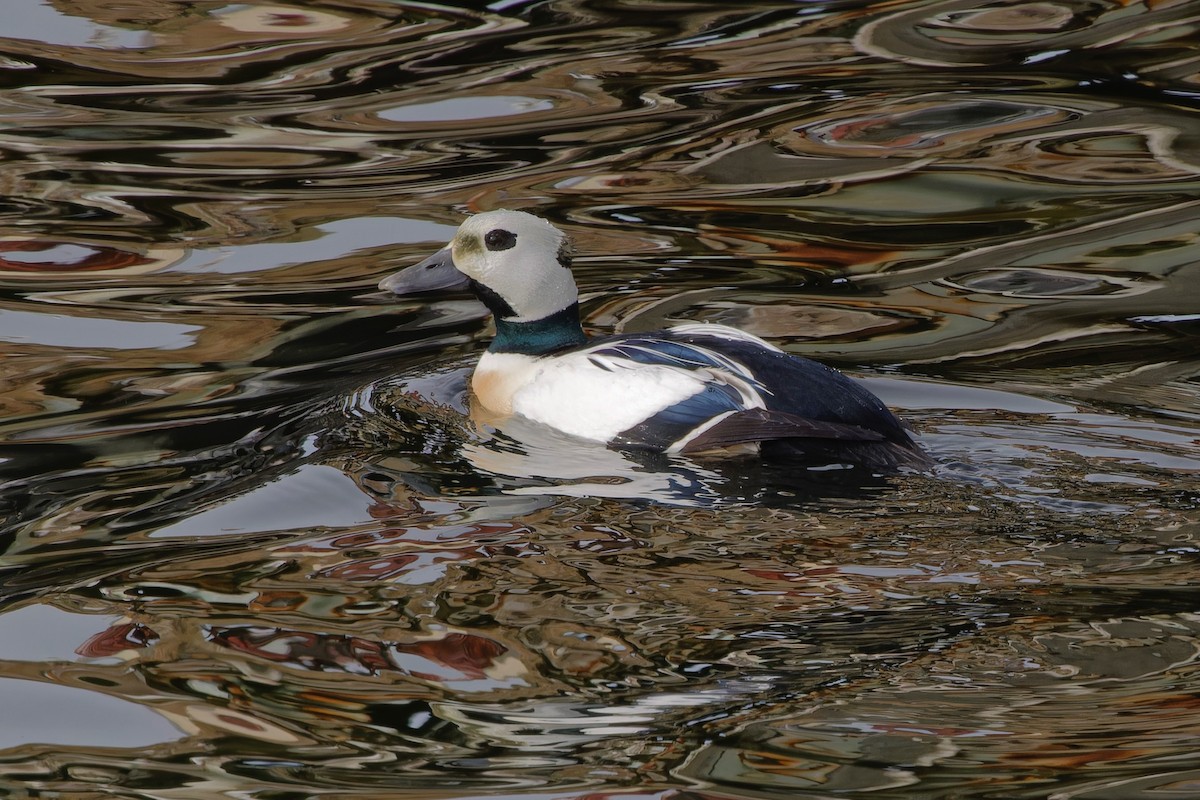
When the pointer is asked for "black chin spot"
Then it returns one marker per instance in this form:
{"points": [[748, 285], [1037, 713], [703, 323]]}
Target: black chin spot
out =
{"points": [[495, 303], [499, 239]]}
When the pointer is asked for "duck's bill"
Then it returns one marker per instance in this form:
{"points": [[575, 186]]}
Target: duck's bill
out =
{"points": [[434, 273]]}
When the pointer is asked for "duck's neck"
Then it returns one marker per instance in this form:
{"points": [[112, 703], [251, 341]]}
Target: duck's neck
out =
{"points": [[558, 331]]}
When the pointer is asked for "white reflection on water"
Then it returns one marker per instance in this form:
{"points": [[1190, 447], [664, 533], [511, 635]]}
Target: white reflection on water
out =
{"points": [[574, 468], [463, 108], [917, 394], [38, 21], [313, 496], [60, 330], [334, 240], [46, 633], [64, 715]]}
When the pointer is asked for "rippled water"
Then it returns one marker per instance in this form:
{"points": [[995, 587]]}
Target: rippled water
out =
{"points": [[254, 549]]}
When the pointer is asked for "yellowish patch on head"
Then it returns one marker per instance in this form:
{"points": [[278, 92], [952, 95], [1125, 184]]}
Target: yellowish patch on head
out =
{"points": [[465, 245]]}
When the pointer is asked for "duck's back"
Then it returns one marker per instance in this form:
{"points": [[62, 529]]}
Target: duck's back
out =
{"points": [[797, 385], [796, 408]]}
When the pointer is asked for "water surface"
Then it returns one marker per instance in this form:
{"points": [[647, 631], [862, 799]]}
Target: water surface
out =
{"points": [[253, 547]]}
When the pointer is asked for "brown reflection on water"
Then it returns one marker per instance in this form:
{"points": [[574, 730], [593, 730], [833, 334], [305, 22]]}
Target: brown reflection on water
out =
{"points": [[253, 547]]}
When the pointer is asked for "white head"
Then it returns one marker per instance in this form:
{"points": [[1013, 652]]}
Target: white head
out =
{"points": [[522, 259]]}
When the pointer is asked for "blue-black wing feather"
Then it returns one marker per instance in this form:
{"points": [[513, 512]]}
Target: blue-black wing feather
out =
{"points": [[664, 429], [805, 388], [812, 411], [659, 351]]}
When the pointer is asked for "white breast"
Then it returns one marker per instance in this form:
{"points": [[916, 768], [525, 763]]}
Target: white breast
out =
{"points": [[574, 394], [499, 376]]}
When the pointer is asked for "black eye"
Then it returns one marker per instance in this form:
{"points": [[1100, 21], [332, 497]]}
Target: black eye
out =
{"points": [[499, 239]]}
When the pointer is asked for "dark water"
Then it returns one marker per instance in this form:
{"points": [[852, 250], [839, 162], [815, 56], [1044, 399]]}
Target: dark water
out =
{"points": [[253, 549]]}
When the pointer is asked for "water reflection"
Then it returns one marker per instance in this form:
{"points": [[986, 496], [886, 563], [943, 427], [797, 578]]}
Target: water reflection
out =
{"points": [[253, 545]]}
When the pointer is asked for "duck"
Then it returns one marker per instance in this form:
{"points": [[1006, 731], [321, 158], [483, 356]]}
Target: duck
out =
{"points": [[692, 389]]}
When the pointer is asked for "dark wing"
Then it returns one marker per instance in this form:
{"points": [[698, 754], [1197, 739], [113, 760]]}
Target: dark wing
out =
{"points": [[665, 429], [803, 388], [811, 409], [819, 394], [760, 424]]}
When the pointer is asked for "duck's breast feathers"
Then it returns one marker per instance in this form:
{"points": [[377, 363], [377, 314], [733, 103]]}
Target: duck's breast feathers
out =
{"points": [[599, 389], [597, 396]]}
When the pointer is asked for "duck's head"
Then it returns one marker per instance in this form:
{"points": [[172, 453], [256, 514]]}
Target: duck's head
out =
{"points": [[516, 263]]}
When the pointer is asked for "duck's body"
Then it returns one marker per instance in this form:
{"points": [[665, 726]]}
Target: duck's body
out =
{"points": [[688, 389]]}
